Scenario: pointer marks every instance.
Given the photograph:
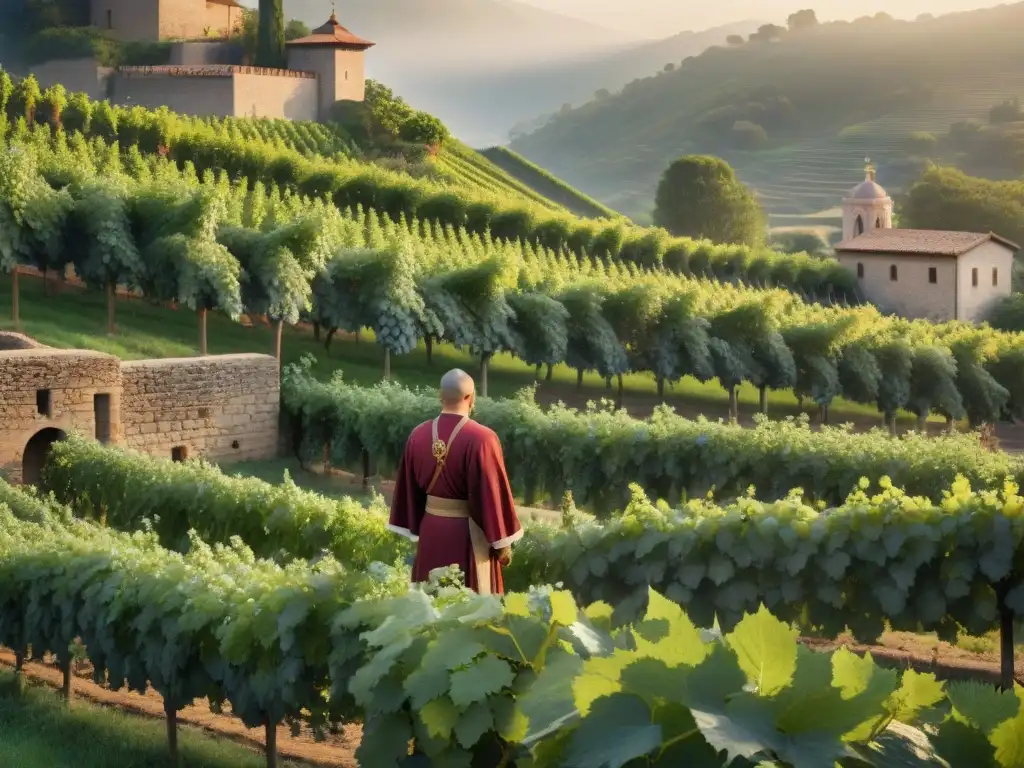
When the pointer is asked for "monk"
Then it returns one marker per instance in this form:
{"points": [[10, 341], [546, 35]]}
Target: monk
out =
{"points": [[452, 494]]}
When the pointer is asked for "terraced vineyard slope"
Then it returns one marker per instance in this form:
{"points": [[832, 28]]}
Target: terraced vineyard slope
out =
{"points": [[825, 98]]}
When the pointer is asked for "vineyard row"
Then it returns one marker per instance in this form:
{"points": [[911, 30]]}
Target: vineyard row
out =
{"points": [[474, 677], [229, 145], [214, 246]]}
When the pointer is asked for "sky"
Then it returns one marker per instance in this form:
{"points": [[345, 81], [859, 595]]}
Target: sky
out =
{"points": [[661, 18]]}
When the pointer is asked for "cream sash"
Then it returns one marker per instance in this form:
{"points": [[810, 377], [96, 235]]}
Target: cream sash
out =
{"points": [[457, 508]]}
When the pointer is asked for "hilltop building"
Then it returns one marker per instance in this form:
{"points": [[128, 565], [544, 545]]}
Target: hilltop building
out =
{"points": [[206, 75], [221, 407], [920, 273]]}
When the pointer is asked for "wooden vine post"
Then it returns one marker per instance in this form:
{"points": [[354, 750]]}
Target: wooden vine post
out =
{"points": [[271, 732], [202, 331], [65, 668], [171, 719], [1006, 655], [15, 310]]}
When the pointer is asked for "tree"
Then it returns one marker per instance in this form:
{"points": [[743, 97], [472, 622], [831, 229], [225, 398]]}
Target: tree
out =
{"points": [[1008, 111], [700, 197], [25, 99], [801, 20], [768, 33], [422, 128], [670, 67], [270, 51], [295, 29], [54, 99], [734, 40]]}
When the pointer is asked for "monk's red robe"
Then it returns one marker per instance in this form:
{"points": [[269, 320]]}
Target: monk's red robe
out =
{"points": [[474, 471]]}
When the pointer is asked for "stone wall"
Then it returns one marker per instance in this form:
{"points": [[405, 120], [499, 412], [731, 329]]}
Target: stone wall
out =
{"points": [[224, 407], [197, 95], [76, 75], [195, 53], [293, 98], [128, 19], [45, 393]]}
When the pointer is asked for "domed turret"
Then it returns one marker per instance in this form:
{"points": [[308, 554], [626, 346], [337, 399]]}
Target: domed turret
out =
{"points": [[867, 207]]}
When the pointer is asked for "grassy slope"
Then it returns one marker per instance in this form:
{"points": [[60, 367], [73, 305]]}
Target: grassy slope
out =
{"points": [[77, 319], [546, 183], [851, 86], [38, 731], [502, 172]]}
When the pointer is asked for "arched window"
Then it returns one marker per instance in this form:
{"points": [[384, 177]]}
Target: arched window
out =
{"points": [[878, 223], [858, 226]]}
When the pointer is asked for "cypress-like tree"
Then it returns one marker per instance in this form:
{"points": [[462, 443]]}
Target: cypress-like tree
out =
{"points": [[270, 50]]}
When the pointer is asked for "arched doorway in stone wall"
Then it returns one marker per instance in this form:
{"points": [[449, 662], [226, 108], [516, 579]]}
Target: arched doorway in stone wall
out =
{"points": [[36, 451]]}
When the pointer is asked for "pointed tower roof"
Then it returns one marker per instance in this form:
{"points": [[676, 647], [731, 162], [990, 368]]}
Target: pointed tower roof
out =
{"points": [[333, 35]]}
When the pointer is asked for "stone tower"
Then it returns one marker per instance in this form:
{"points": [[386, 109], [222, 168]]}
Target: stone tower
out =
{"points": [[335, 56], [867, 207]]}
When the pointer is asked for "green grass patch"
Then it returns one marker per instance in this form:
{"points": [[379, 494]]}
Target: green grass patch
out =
{"points": [[37, 730]]}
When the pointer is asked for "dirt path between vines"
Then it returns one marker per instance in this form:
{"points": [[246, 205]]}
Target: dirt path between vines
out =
{"points": [[337, 751]]}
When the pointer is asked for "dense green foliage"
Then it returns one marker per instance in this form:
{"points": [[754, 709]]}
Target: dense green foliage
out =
{"points": [[270, 51], [945, 198], [799, 90], [282, 522], [700, 197], [209, 145], [530, 678], [613, 317], [599, 451]]}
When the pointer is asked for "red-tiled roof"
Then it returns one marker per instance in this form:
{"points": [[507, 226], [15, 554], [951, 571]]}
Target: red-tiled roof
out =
{"points": [[332, 34], [932, 242]]}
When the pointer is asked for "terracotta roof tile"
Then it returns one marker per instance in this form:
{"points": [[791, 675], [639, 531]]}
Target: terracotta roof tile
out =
{"points": [[334, 35], [920, 241]]}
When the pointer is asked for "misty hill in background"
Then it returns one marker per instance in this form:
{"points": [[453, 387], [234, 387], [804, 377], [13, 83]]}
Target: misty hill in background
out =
{"points": [[795, 115], [483, 66]]}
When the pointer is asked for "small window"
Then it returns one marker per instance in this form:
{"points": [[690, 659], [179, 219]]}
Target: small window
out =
{"points": [[346, 74], [933, 275], [110, 19], [179, 453], [878, 223], [892, 272], [974, 277], [44, 404], [995, 276], [858, 226], [101, 413], [860, 269]]}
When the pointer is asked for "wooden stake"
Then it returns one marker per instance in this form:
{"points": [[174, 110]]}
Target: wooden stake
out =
{"points": [[271, 730], [15, 313], [202, 332], [171, 718], [111, 307], [278, 334]]}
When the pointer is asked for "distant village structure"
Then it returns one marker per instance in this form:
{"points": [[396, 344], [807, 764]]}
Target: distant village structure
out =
{"points": [[207, 76], [920, 273]]}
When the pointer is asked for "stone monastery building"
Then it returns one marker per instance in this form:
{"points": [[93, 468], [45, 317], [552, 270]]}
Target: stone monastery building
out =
{"points": [[920, 273], [206, 74], [223, 407]]}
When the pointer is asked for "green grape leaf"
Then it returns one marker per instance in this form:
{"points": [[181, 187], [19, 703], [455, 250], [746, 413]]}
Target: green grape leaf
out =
{"points": [[958, 744], [667, 633], [485, 676], [617, 730], [766, 649], [865, 687], [427, 683], [549, 701], [511, 724], [601, 676], [743, 729], [980, 705], [563, 608], [1008, 737], [917, 692], [385, 741], [439, 716], [473, 724]]}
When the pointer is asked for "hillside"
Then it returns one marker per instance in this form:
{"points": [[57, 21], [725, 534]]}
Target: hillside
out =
{"points": [[826, 98], [536, 60]]}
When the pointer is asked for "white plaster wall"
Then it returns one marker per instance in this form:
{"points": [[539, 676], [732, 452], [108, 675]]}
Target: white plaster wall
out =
{"points": [[974, 301], [910, 295]]}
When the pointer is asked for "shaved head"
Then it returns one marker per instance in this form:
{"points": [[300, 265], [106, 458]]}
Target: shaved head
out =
{"points": [[457, 388]]}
